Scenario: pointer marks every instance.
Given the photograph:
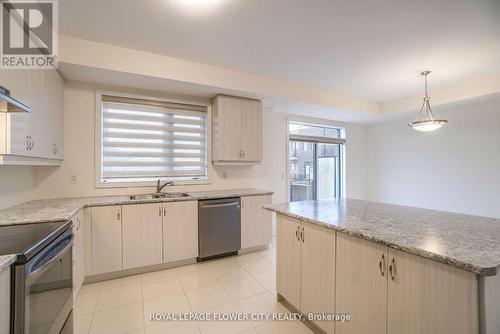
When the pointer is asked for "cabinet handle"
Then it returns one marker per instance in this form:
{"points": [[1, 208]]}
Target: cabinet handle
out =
{"points": [[29, 143], [55, 149], [297, 233], [381, 265], [119, 216], [302, 233], [244, 153], [392, 269], [159, 211], [164, 211]]}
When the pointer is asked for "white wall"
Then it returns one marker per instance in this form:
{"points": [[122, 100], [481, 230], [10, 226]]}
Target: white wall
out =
{"points": [[456, 168], [16, 185], [79, 157], [54, 182]]}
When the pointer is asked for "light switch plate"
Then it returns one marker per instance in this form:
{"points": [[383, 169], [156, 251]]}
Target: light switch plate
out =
{"points": [[73, 179]]}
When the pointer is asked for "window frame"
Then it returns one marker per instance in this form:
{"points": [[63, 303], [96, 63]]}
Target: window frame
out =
{"points": [[98, 141], [318, 123]]}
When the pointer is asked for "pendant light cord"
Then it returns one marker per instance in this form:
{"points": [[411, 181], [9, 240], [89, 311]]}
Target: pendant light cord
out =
{"points": [[425, 79]]}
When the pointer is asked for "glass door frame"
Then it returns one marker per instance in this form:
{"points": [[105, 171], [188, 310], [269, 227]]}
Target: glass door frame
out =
{"points": [[340, 179]]}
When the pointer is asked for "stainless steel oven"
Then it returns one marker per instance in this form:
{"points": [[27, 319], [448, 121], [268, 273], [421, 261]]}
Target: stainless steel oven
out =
{"points": [[42, 277]]}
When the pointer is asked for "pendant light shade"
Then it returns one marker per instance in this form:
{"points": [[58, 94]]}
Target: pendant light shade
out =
{"points": [[425, 120]]}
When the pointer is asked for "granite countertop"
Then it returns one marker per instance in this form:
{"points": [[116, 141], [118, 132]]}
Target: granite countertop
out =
{"points": [[61, 209], [6, 261], [468, 242]]}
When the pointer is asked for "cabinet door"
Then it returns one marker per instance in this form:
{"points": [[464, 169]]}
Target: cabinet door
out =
{"points": [[78, 253], [106, 239], [228, 137], [256, 223], [38, 122], [251, 130], [317, 278], [5, 301], [55, 109], [18, 125], [429, 297], [288, 260], [361, 286], [180, 231], [142, 236]]}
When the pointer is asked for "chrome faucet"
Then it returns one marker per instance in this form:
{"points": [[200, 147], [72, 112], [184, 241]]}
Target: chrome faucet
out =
{"points": [[160, 187]]}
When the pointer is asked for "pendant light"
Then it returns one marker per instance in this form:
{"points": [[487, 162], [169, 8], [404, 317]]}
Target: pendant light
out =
{"points": [[425, 120]]}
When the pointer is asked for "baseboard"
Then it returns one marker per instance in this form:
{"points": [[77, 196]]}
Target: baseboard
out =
{"points": [[253, 249], [137, 271], [311, 325]]}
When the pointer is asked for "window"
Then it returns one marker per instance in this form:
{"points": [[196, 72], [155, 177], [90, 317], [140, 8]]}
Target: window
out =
{"points": [[316, 160], [145, 140]]}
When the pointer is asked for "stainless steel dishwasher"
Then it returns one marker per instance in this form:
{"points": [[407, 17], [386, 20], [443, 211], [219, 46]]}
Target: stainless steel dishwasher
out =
{"points": [[219, 227]]}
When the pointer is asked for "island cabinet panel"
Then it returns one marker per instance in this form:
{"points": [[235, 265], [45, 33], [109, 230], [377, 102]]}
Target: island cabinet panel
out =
{"points": [[5, 300], [361, 285], [425, 296], [142, 235], [180, 231], [288, 260], [317, 278], [256, 223], [106, 239]]}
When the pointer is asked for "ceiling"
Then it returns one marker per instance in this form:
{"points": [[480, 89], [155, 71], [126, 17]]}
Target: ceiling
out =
{"points": [[370, 49]]}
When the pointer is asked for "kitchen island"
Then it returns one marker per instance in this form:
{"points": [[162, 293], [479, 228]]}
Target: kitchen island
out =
{"points": [[392, 269]]}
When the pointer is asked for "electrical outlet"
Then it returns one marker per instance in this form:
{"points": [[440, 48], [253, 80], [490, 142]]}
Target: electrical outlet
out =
{"points": [[224, 175], [73, 179]]}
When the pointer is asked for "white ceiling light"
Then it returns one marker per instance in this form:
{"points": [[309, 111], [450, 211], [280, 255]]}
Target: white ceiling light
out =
{"points": [[425, 120], [194, 7]]}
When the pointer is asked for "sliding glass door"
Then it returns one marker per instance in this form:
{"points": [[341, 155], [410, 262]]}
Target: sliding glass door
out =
{"points": [[315, 166]]}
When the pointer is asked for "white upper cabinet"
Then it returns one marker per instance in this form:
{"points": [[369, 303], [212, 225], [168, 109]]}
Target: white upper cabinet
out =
{"points": [[237, 130], [34, 138]]}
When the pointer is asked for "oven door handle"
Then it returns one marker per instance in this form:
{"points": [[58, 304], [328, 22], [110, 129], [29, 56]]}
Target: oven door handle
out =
{"points": [[32, 276]]}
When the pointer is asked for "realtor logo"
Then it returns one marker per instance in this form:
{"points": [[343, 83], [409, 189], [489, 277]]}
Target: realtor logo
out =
{"points": [[29, 38]]}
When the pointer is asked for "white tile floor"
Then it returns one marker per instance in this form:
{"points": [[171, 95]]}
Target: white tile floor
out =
{"points": [[239, 284]]}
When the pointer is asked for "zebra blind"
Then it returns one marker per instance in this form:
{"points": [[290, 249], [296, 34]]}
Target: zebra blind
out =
{"points": [[143, 140]]}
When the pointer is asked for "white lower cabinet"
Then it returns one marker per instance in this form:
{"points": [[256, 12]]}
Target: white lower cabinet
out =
{"points": [[385, 291], [180, 231], [256, 223], [138, 235], [317, 273], [142, 235], [288, 260], [426, 296], [306, 268], [106, 239], [361, 285], [78, 252]]}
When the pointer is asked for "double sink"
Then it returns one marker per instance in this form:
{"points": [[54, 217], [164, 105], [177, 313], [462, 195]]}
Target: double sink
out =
{"points": [[158, 196]]}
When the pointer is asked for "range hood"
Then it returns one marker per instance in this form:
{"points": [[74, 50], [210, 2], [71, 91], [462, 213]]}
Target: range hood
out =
{"points": [[9, 104]]}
